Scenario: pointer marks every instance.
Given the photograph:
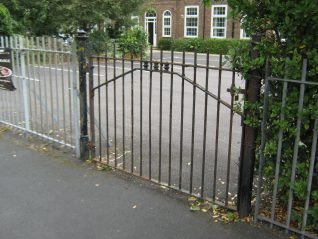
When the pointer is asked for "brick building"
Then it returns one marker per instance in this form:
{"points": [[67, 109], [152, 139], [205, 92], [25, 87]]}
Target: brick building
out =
{"points": [[188, 19]]}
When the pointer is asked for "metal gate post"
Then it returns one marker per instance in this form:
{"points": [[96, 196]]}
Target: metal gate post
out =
{"points": [[82, 40], [25, 86], [247, 158], [91, 104]]}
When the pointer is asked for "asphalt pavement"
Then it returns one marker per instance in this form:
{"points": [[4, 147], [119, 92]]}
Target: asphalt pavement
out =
{"points": [[47, 194]]}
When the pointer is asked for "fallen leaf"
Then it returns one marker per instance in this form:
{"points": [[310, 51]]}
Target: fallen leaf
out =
{"points": [[195, 207], [192, 199]]}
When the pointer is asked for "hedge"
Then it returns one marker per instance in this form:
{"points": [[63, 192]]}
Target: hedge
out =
{"points": [[200, 45]]}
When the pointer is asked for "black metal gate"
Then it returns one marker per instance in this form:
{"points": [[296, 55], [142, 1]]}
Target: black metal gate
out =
{"points": [[171, 118]]}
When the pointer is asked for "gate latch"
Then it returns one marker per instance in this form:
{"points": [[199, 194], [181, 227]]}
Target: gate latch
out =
{"points": [[235, 92]]}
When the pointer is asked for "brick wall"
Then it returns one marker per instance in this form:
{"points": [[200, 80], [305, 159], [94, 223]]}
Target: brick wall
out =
{"points": [[177, 8]]}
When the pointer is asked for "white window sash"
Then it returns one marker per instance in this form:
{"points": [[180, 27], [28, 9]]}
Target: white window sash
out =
{"points": [[218, 16], [164, 26], [196, 16]]}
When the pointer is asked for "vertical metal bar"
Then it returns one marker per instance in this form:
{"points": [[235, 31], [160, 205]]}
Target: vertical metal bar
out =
{"points": [[132, 115], [123, 105], [34, 82], [182, 122], [92, 107], [205, 121], [57, 84], [51, 83], [63, 96], [193, 119], [160, 119], [141, 85], [263, 141], [279, 150], [46, 95], [69, 90], [28, 79], [150, 113], [9, 95], [15, 109], [115, 104], [170, 115], [216, 155], [26, 99], [99, 111], [75, 93], [2, 110], [107, 108], [229, 153], [4, 98], [19, 75], [297, 139], [311, 171], [38, 59]]}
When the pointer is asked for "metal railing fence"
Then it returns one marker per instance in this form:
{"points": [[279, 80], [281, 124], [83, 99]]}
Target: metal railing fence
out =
{"points": [[298, 165], [45, 102], [170, 118]]}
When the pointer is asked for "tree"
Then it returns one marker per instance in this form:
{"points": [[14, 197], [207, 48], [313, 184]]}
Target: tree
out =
{"points": [[44, 17], [6, 21], [288, 32]]}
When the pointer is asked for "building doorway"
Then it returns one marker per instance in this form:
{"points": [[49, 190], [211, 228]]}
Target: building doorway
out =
{"points": [[151, 27]]}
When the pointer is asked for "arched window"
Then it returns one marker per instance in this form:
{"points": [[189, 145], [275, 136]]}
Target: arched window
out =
{"points": [[166, 24]]}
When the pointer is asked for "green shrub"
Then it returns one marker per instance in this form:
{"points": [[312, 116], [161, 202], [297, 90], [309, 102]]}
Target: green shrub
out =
{"points": [[99, 41], [133, 41], [200, 45], [165, 44], [295, 39]]}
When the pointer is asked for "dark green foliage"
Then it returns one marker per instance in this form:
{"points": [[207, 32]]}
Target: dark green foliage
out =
{"points": [[289, 33], [6, 21], [99, 41], [43, 17], [213, 46], [133, 41]]}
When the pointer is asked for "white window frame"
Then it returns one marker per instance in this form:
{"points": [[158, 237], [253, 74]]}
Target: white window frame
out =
{"points": [[219, 16], [243, 34], [191, 16], [242, 31], [166, 26]]}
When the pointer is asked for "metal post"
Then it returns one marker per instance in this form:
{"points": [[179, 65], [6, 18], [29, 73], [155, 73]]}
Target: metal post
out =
{"points": [[81, 40], [91, 104], [75, 104], [25, 86], [247, 158]]}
